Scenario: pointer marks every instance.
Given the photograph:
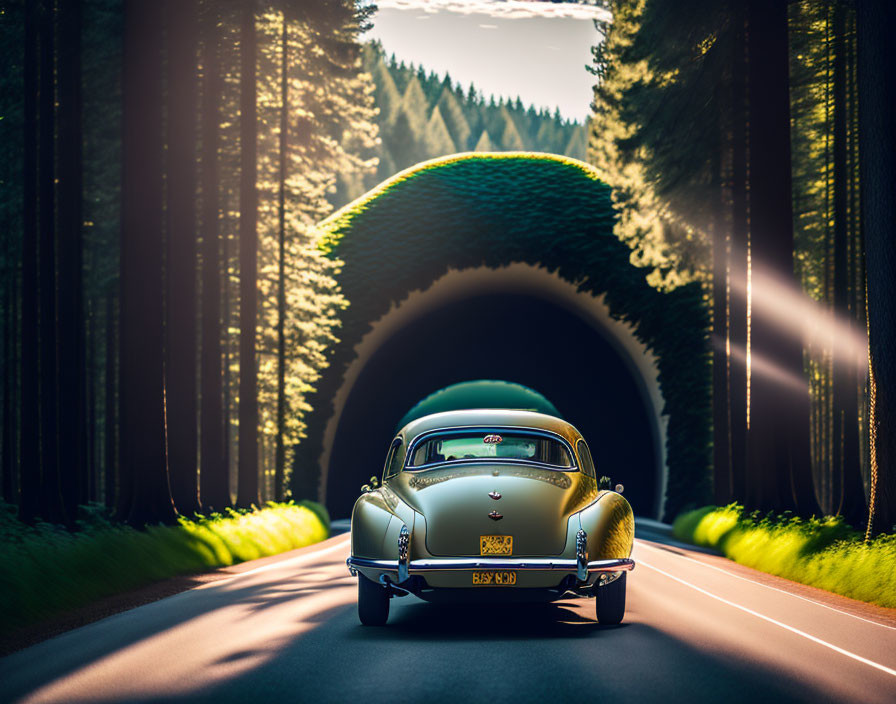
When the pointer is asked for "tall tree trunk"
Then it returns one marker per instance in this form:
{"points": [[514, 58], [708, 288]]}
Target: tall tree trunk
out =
{"points": [[720, 409], [877, 154], [180, 370], [110, 427], [29, 428], [72, 407], [849, 492], [142, 375], [227, 317], [51, 497], [778, 441], [247, 488], [737, 262], [857, 258], [9, 369], [89, 489], [280, 452], [213, 474]]}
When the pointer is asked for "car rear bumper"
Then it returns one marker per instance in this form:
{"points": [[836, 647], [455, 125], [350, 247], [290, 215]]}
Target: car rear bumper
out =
{"points": [[491, 563]]}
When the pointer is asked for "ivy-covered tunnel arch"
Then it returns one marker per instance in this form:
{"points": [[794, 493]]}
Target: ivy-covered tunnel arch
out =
{"points": [[595, 335]]}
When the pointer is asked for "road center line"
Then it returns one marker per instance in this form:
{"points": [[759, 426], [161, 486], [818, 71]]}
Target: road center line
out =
{"points": [[767, 586], [858, 658]]}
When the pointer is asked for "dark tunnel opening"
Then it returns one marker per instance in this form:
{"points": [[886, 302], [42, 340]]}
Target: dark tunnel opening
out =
{"points": [[511, 337]]}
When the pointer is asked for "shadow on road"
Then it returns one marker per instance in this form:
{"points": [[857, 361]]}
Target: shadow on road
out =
{"points": [[420, 621]]}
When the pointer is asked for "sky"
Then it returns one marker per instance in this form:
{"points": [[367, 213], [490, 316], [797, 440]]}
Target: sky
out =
{"points": [[535, 50]]}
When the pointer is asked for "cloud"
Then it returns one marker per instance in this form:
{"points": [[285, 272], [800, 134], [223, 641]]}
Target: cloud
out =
{"points": [[488, 26], [511, 9]]}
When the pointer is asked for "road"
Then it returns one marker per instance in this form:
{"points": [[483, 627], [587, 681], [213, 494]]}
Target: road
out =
{"points": [[698, 628]]}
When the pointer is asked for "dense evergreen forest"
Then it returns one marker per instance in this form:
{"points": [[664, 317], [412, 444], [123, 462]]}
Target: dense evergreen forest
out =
{"points": [[422, 116], [165, 165], [166, 310], [750, 146]]}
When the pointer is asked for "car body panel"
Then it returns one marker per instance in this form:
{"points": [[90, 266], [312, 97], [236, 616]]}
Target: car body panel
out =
{"points": [[535, 505], [446, 507]]}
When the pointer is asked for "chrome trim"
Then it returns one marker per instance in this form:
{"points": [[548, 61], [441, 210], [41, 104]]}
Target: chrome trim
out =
{"points": [[404, 542], [582, 555], [491, 563], [386, 582]]}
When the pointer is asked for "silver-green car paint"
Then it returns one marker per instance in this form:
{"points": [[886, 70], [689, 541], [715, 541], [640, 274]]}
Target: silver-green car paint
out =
{"points": [[446, 508]]}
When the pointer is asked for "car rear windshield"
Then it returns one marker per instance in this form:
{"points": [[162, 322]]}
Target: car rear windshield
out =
{"points": [[491, 446]]}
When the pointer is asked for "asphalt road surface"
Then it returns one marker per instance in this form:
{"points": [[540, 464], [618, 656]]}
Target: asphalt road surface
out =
{"points": [[698, 628]]}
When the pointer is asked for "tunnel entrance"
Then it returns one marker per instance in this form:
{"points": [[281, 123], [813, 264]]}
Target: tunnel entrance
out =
{"points": [[514, 337], [561, 308]]}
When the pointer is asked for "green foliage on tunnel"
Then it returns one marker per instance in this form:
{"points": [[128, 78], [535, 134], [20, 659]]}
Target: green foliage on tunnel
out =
{"points": [[494, 209], [483, 393]]}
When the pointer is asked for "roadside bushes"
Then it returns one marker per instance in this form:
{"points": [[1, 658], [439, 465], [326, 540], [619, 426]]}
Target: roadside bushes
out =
{"points": [[822, 552], [45, 569]]}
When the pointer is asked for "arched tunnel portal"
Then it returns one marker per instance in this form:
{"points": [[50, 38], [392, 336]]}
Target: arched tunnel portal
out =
{"points": [[517, 324], [506, 266]]}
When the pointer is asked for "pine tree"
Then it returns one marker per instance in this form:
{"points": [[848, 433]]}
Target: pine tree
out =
{"points": [[181, 17], [484, 143], [213, 473], [453, 115], [510, 135], [387, 96], [546, 136], [247, 486], [577, 147], [144, 494], [404, 140], [72, 372], [877, 92], [438, 139], [415, 105], [50, 491], [29, 426], [298, 297]]}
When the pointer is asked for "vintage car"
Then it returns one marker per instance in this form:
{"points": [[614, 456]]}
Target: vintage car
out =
{"points": [[485, 505]]}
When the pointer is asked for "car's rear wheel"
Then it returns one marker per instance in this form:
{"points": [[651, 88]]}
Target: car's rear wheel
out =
{"points": [[373, 602], [610, 599]]}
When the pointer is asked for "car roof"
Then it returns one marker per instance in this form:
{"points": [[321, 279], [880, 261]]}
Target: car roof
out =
{"points": [[490, 418]]}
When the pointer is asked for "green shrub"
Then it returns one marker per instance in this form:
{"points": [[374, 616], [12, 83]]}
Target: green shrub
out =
{"points": [[45, 569], [821, 552]]}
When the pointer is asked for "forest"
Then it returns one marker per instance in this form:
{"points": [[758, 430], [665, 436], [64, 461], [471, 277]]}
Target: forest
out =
{"points": [[167, 310], [422, 115], [163, 287], [750, 146]]}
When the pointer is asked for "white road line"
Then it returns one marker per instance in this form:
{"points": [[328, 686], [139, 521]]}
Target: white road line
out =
{"points": [[767, 586], [341, 545], [858, 658]]}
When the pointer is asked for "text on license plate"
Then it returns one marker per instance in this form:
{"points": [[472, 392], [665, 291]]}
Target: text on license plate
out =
{"points": [[494, 578], [496, 545]]}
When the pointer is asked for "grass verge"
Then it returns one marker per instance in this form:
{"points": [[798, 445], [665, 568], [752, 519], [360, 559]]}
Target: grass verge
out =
{"points": [[45, 569], [821, 552]]}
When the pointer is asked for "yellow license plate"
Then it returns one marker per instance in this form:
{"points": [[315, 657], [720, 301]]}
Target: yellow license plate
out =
{"points": [[496, 545], [494, 578]]}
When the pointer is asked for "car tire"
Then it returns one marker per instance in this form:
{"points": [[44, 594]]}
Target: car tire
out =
{"points": [[373, 602], [610, 601]]}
